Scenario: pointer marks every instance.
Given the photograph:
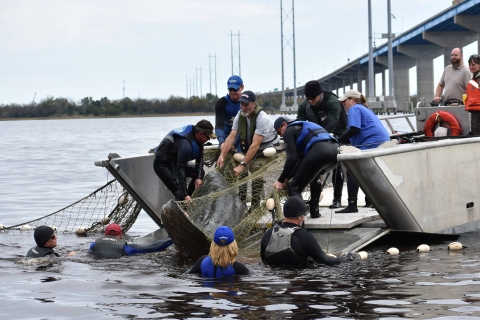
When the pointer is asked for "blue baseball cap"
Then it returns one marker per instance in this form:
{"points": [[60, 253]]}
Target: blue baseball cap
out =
{"points": [[234, 82], [223, 236]]}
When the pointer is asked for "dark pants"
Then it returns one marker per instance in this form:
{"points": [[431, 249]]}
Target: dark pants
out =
{"points": [[475, 122], [166, 174], [337, 180], [321, 158]]}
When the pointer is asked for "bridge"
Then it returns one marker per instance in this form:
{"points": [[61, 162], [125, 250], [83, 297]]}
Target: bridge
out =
{"points": [[457, 26]]}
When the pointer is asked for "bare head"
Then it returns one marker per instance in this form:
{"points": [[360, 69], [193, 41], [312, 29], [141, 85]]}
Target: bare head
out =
{"points": [[456, 57]]}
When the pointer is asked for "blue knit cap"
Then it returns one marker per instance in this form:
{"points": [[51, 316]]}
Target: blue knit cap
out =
{"points": [[223, 236]]}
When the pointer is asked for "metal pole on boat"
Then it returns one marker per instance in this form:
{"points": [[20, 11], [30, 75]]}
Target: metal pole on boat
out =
{"points": [[281, 43], [370, 51], [295, 106], [390, 52]]}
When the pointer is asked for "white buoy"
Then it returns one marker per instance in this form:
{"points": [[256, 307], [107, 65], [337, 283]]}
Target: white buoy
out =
{"points": [[393, 251], [363, 255], [105, 220], [122, 200], [269, 152], [81, 231], [454, 246], [25, 227], [54, 228], [270, 204], [238, 157], [1, 226], [331, 255], [423, 248]]}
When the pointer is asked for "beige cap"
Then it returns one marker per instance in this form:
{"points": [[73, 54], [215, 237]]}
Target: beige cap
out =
{"points": [[350, 94]]}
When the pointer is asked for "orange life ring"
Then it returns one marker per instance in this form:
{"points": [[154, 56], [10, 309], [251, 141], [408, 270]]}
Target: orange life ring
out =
{"points": [[444, 117]]}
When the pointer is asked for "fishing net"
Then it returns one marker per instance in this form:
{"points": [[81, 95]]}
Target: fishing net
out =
{"points": [[237, 201], [108, 204]]}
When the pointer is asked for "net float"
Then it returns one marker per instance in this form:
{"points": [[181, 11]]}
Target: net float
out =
{"points": [[393, 251], [423, 248], [269, 152]]}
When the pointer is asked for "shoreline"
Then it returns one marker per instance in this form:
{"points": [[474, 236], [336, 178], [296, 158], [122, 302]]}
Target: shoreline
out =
{"points": [[180, 114]]}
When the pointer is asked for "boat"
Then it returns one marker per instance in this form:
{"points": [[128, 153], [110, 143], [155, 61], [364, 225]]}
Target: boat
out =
{"points": [[408, 180]]}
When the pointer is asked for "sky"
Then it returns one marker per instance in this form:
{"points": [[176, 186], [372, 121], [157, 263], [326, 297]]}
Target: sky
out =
{"points": [[153, 49]]}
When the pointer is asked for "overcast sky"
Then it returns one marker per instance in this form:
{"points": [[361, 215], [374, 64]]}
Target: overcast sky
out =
{"points": [[74, 49]]}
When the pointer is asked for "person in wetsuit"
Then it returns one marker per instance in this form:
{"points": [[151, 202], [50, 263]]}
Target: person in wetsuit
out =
{"points": [[323, 108], [291, 245], [46, 240], [311, 151], [111, 245], [173, 154], [221, 260], [226, 109]]}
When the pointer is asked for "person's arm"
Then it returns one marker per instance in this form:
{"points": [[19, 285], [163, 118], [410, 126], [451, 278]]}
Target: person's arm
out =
{"points": [[133, 248], [220, 120], [226, 147], [351, 132], [240, 268], [333, 114], [184, 152], [291, 150], [252, 150], [314, 250], [196, 267], [439, 90], [302, 112]]}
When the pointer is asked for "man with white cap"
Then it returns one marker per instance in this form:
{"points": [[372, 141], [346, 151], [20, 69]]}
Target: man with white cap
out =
{"points": [[112, 245], [291, 245], [227, 108]]}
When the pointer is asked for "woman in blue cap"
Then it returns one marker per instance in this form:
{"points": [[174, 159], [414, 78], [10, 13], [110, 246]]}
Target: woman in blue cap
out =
{"points": [[220, 262]]}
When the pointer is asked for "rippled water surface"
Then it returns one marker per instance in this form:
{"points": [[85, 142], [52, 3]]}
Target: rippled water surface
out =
{"points": [[46, 165]]}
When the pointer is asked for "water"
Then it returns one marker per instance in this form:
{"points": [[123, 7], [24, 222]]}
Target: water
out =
{"points": [[46, 165]]}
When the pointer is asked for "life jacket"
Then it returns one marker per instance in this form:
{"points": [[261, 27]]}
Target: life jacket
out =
{"points": [[311, 133], [313, 116], [473, 96], [109, 247], [209, 270], [231, 110], [37, 252], [242, 128], [280, 246], [186, 132]]}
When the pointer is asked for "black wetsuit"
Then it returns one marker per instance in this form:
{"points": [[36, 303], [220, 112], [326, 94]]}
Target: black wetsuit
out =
{"points": [[206, 268], [171, 165], [109, 247], [322, 157], [37, 252], [304, 244]]}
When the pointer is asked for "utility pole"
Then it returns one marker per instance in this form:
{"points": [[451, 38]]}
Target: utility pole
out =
{"points": [[235, 52], [210, 72], [390, 53], [186, 85], [371, 93], [124, 89], [295, 105]]}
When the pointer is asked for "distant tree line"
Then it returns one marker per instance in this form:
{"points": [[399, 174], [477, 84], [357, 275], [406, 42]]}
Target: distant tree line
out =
{"points": [[63, 107]]}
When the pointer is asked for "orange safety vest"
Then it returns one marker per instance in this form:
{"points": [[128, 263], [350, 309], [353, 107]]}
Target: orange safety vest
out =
{"points": [[473, 96]]}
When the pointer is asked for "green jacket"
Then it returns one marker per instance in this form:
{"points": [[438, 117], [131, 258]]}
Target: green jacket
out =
{"points": [[332, 107]]}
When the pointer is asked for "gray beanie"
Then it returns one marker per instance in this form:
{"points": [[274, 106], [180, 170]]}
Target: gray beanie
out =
{"points": [[42, 235]]}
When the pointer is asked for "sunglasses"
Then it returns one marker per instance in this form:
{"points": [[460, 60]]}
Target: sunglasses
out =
{"points": [[311, 98], [53, 237], [232, 89]]}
